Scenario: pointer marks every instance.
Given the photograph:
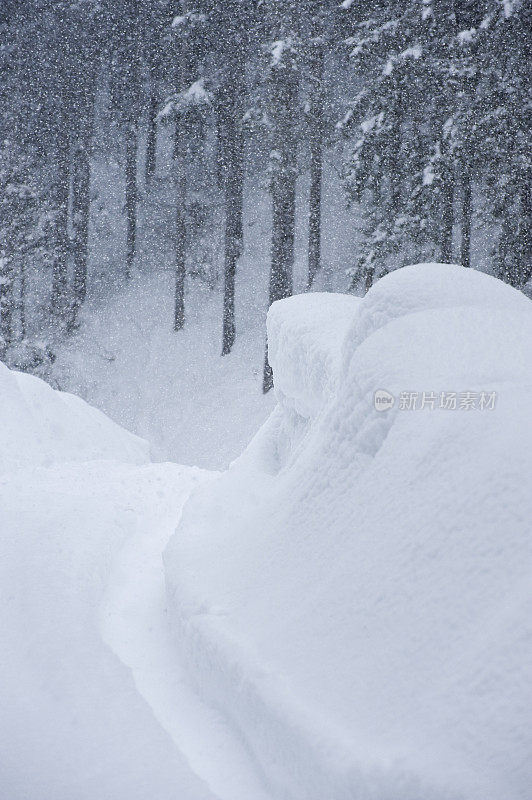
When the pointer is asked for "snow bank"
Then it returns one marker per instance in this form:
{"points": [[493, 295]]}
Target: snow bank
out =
{"points": [[73, 725], [93, 700], [304, 347], [40, 426], [354, 593]]}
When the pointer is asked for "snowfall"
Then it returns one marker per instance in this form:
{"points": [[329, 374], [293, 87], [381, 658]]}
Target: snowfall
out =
{"points": [[342, 613]]}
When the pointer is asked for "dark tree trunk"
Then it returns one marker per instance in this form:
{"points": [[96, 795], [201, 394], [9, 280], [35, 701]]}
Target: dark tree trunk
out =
{"points": [[6, 304], [221, 165], [180, 225], [525, 228], [131, 196], [316, 164], [394, 155], [151, 144], [369, 276], [80, 204], [234, 172], [60, 198], [283, 87], [22, 299], [180, 271], [467, 210], [80, 224], [503, 245], [447, 215], [514, 251]]}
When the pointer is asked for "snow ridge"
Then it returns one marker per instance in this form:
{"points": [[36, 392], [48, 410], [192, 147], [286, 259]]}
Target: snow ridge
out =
{"points": [[352, 593]]}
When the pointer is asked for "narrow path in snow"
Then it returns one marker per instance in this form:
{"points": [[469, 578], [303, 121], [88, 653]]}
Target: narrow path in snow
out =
{"points": [[134, 625]]}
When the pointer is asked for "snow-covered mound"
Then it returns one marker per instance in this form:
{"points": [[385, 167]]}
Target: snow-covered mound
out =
{"points": [[93, 700], [73, 725], [41, 426], [304, 346], [354, 593]]}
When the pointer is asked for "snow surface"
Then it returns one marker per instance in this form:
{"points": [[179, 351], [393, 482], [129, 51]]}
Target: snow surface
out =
{"points": [[304, 347], [93, 700], [40, 426], [354, 593], [347, 609], [173, 389]]}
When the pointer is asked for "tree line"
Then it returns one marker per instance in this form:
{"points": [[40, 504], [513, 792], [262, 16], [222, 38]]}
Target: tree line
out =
{"points": [[428, 101]]}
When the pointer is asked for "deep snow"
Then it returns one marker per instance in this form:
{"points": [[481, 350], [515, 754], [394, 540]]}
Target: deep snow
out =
{"points": [[93, 700], [40, 426], [347, 608], [354, 593], [173, 389]]}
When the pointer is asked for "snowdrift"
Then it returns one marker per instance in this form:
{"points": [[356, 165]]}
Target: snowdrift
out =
{"points": [[354, 593], [42, 426], [73, 725]]}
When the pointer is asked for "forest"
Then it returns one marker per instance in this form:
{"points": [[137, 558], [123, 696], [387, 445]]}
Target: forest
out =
{"points": [[265, 400], [419, 109]]}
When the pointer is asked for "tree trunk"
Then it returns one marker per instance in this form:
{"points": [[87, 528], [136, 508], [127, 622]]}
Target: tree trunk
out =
{"points": [[394, 154], [283, 87], [447, 215], [180, 271], [234, 161], [220, 154], [81, 214], [467, 209], [525, 228], [60, 195], [22, 300], [6, 304], [503, 246], [369, 275], [131, 195], [316, 164], [180, 228], [151, 144]]}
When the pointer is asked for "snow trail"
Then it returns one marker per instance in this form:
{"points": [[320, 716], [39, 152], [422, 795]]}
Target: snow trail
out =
{"points": [[134, 625]]}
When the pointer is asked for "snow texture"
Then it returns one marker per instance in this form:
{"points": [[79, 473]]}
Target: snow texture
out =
{"points": [[93, 701], [354, 593], [73, 725], [304, 347], [41, 426]]}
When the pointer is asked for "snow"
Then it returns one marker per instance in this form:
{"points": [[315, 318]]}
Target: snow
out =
{"points": [[414, 52], [73, 723], [354, 593], [304, 347], [342, 613], [428, 175], [278, 50], [467, 36], [197, 92], [94, 700], [189, 17], [173, 388], [41, 426], [509, 7]]}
